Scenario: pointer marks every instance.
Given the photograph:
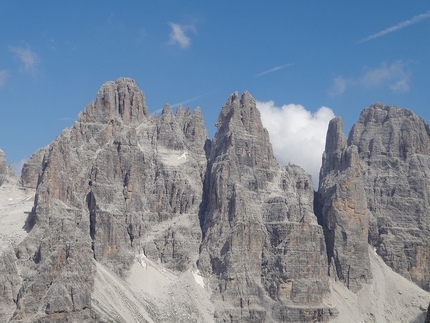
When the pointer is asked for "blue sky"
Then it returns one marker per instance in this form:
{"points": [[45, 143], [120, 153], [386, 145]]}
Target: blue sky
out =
{"points": [[344, 55]]}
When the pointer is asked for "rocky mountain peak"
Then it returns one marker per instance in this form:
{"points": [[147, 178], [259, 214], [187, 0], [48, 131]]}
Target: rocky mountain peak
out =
{"points": [[252, 213], [119, 100], [366, 185], [336, 139], [241, 113], [241, 132], [342, 209], [390, 130]]}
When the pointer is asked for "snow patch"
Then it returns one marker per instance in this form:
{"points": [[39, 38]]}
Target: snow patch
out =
{"points": [[141, 259], [198, 278]]}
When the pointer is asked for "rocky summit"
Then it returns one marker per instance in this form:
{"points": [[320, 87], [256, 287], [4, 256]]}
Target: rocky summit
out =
{"points": [[140, 218]]}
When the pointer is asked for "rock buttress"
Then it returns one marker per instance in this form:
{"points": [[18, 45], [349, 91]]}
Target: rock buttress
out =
{"points": [[113, 186], [394, 151], [263, 249], [342, 208]]}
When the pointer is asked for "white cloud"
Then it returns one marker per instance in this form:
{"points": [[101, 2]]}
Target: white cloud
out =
{"points": [[28, 58], [177, 36], [186, 101], [277, 68], [391, 75], [395, 76], [399, 26], [3, 77], [297, 135]]}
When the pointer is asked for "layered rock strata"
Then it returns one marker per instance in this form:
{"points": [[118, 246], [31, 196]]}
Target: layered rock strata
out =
{"points": [[263, 249], [374, 186], [342, 208], [118, 183], [394, 150], [32, 168]]}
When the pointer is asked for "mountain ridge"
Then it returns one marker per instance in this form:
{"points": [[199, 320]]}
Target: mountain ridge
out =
{"points": [[121, 190]]}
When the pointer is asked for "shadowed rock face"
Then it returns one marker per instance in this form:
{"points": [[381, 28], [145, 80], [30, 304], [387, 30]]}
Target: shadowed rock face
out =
{"points": [[375, 184], [262, 244]]}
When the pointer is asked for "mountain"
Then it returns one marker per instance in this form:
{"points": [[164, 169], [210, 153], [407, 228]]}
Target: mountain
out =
{"points": [[140, 218], [375, 185]]}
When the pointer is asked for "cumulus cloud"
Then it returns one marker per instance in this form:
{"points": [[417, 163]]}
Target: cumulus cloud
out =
{"points": [[297, 135], [398, 26], [395, 76], [3, 77], [28, 58], [177, 36]]}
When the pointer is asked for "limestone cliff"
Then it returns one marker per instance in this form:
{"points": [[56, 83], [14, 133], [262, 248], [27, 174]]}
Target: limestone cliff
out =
{"points": [[375, 184], [342, 208], [32, 168], [121, 189], [262, 247], [118, 183]]}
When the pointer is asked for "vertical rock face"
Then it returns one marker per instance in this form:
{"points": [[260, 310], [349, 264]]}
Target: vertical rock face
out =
{"points": [[3, 167], [32, 168], [376, 184], [394, 151], [118, 183], [262, 246], [343, 210]]}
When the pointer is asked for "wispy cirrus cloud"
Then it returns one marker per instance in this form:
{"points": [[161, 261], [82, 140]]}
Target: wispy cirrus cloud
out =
{"points": [[187, 101], [28, 58], [3, 77], [178, 36], [274, 69], [400, 25], [395, 76]]}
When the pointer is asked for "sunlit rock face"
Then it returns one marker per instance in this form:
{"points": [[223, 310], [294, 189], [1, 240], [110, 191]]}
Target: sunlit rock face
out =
{"points": [[387, 156], [111, 187], [342, 208], [121, 185], [262, 246], [394, 150]]}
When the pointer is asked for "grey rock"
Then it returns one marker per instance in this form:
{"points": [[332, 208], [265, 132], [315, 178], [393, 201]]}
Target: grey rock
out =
{"points": [[394, 150], [32, 168], [111, 187], [373, 187], [342, 207], [2, 167], [428, 315], [10, 283], [255, 215]]}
